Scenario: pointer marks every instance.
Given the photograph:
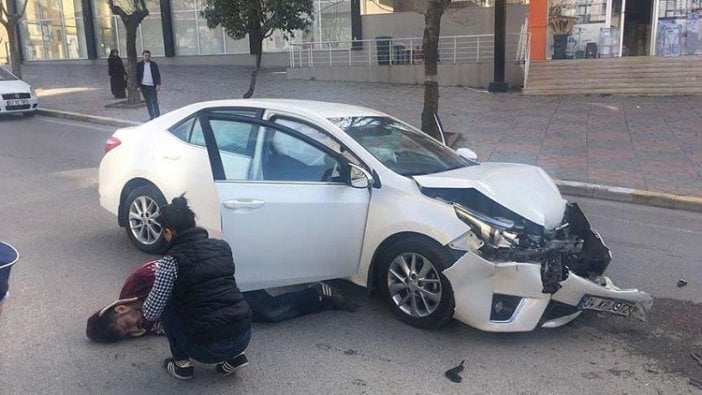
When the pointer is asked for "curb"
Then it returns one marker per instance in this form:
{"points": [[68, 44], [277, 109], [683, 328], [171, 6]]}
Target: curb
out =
{"points": [[573, 188], [630, 195], [86, 118]]}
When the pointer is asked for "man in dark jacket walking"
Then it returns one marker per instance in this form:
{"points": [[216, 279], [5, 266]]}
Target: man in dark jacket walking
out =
{"points": [[149, 82], [202, 311]]}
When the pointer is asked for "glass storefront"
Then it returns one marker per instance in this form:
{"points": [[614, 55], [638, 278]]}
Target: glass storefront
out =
{"points": [[193, 37], [53, 30], [612, 28], [678, 27], [110, 31], [4, 45]]}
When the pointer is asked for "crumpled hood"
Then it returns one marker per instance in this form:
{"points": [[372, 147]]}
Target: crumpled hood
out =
{"points": [[524, 189], [15, 86]]}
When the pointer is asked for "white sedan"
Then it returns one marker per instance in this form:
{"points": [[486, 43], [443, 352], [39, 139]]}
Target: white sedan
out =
{"points": [[306, 191], [16, 96]]}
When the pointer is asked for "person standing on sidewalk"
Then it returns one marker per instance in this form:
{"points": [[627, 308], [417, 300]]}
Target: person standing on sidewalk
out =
{"points": [[115, 69], [149, 81], [202, 311]]}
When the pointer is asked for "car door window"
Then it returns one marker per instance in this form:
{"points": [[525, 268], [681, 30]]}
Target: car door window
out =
{"points": [[316, 134], [196, 136], [285, 157], [235, 142], [182, 130]]}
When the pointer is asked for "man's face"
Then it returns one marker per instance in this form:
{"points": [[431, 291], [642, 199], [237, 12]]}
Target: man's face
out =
{"points": [[129, 321], [147, 57]]}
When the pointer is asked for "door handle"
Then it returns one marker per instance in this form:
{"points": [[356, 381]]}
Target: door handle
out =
{"points": [[171, 157], [243, 203]]}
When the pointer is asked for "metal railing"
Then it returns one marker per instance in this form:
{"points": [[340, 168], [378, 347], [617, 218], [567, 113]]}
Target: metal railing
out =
{"points": [[527, 60], [385, 51]]}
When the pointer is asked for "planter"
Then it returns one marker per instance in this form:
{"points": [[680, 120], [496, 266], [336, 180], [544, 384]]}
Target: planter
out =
{"points": [[560, 42]]}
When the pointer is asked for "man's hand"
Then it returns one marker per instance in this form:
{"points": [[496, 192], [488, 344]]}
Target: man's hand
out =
{"points": [[158, 88]]}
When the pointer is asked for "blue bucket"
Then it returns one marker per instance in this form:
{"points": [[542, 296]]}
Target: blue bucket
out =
{"points": [[8, 255]]}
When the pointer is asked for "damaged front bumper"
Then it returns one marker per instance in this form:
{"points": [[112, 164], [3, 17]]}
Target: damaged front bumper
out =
{"points": [[509, 297]]}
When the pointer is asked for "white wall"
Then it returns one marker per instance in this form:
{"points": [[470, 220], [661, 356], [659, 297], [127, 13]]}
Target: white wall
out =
{"points": [[462, 21]]}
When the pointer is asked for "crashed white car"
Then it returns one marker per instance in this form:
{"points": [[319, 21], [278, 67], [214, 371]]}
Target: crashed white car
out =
{"points": [[16, 96], [306, 191]]}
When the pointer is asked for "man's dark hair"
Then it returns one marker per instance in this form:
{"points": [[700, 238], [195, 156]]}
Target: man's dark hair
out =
{"points": [[101, 328], [177, 215], [146, 51]]}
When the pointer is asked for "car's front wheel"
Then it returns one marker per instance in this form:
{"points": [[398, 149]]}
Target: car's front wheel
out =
{"points": [[412, 283], [141, 211]]}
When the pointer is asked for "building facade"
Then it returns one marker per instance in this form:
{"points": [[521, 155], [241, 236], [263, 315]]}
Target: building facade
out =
{"points": [[574, 29], [86, 29]]}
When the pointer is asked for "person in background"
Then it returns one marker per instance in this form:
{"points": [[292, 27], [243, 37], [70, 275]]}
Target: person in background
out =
{"points": [[149, 82], [118, 76]]}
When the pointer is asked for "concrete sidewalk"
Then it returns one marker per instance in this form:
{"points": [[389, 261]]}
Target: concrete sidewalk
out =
{"points": [[649, 143]]}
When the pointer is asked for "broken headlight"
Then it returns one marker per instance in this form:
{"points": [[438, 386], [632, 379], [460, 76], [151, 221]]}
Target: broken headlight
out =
{"points": [[496, 232]]}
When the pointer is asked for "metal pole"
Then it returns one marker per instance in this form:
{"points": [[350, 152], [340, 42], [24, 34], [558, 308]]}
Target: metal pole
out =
{"points": [[477, 52], [330, 54], [411, 59], [350, 52], [370, 56], [499, 84], [454, 50]]}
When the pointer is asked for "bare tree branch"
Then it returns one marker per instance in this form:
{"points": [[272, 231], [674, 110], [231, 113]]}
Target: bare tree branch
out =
{"points": [[24, 9], [117, 10]]}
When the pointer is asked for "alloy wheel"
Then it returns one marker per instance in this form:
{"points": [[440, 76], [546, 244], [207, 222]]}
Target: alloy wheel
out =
{"points": [[414, 285], [143, 215]]}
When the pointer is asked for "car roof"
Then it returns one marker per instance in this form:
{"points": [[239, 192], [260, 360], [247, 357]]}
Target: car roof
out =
{"points": [[306, 107]]}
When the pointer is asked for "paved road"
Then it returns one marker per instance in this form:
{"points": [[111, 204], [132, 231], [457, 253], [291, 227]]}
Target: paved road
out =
{"points": [[652, 143], [74, 258]]}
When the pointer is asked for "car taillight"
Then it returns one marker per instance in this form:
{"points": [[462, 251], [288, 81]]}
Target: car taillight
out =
{"points": [[111, 143]]}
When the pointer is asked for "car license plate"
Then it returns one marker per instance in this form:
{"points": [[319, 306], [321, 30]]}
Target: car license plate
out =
{"points": [[20, 102], [607, 305]]}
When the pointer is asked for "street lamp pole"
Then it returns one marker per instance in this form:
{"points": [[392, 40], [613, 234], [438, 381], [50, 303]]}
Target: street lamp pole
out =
{"points": [[499, 84]]}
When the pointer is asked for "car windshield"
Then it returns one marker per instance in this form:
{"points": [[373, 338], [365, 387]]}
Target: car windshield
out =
{"points": [[5, 75], [400, 147]]}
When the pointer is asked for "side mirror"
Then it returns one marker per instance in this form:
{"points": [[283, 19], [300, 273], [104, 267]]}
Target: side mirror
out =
{"points": [[468, 154], [360, 177]]}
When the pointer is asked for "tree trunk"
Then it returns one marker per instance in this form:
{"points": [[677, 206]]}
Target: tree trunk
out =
{"points": [[430, 47], [254, 73], [133, 95], [13, 39]]}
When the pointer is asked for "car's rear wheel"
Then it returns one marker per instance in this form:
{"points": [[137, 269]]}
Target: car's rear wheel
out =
{"points": [[141, 211], [412, 283]]}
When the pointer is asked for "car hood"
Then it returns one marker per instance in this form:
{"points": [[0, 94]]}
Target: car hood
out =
{"points": [[526, 190], [15, 86]]}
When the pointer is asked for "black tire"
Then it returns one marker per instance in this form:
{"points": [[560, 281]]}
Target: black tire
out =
{"points": [[150, 195], [29, 113], [440, 259]]}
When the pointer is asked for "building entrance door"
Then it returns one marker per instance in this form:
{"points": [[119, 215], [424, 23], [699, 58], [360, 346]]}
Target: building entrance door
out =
{"points": [[636, 32]]}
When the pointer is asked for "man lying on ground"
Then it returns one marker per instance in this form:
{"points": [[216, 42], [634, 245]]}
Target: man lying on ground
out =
{"points": [[123, 318]]}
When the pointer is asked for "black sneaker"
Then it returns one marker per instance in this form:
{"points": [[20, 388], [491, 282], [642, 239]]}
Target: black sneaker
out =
{"points": [[228, 367], [333, 299], [185, 373]]}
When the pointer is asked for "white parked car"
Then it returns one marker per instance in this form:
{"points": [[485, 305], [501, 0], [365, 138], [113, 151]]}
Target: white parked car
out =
{"points": [[306, 191], [16, 95]]}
